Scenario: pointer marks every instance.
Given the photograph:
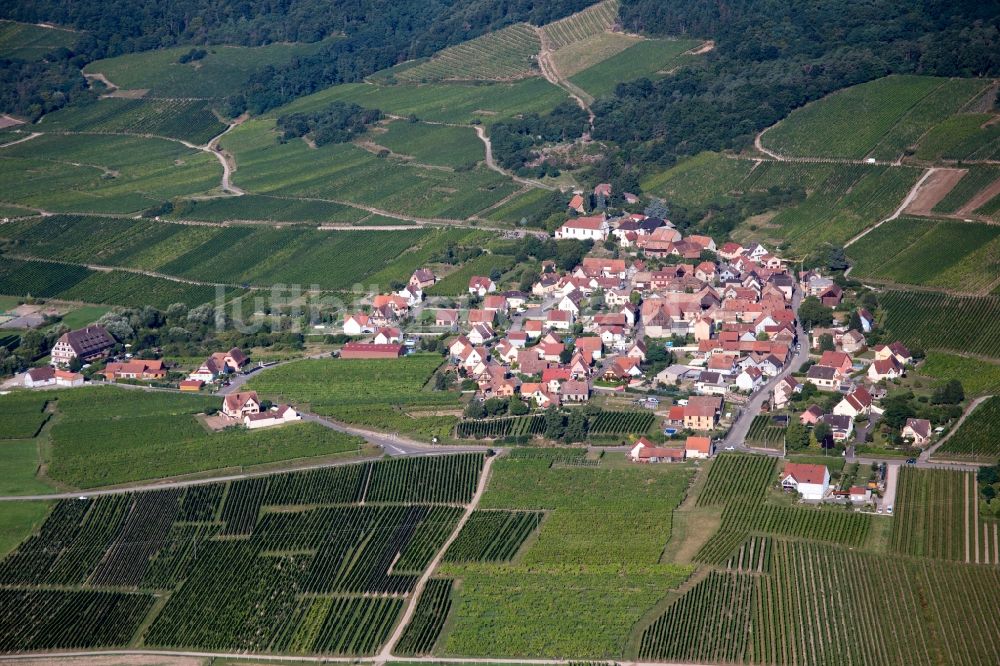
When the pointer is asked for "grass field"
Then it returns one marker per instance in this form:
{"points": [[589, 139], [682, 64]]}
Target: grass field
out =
{"points": [[433, 144], [106, 436], [978, 438], [102, 174], [651, 59], [881, 118], [18, 520], [261, 255], [936, 253], [20, 461], [190, 120], [26, 41], [497, 56], [939, 321], [579, 55], [976, 375], [249, 565], [222, 72], [80, 317], [376, 393]]}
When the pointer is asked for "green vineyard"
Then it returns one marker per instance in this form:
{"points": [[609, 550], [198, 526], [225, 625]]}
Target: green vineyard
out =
{"points": [[493, 536], [517, 426], [497, 56], [939, 321], [765, 433], [978, 438], [620, 423], [256, 564], [424, 629], [816, 603], [737, 477]]}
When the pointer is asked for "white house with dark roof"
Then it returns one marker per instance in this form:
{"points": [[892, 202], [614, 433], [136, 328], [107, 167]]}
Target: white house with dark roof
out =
{"points": [[87, 344]]}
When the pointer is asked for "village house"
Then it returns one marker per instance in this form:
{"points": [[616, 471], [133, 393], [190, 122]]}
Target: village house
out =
{"points": [[856, 403], [575, 391], [357, 324], [86, 344], [279, 415], [811, 416], [750, 379], [841, 426], [559, 319], [886, 368], [712, 383], [784, 390], [191, 385], [388, 335], [644, 451], [699, 447], [895, 350], [584, 228], [370, 350], [917, 430], [135, 369], [480, 286], [421, 279], [823, 378], [702, 412], [446, 318], [838, 360], [812, 482], [576, 204], [237, 405], [852, 342]]}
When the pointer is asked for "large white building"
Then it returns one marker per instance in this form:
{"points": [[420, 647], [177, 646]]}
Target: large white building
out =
{"points": [[584, 228]]}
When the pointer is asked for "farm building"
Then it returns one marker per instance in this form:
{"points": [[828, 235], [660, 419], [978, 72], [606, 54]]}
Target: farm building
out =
{"points": [[278, 416], [370, 350], [645, 451], [699, 447], [86, 344], [810, 481], [135, 369]]}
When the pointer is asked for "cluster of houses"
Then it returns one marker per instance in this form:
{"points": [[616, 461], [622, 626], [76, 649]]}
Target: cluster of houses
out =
{"points": [[695, 447]]}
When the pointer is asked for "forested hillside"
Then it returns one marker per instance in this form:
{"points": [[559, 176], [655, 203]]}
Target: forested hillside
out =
{"points": [[773, 56]]}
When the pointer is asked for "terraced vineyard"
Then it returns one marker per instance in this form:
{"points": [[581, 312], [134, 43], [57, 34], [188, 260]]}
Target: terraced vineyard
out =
{"points": [[946, 253], [939, 321], [591, 21], [282, 587], [187, 119], [816, 600], [880, 118], [258, 254], [978, 438], [497, 56]]}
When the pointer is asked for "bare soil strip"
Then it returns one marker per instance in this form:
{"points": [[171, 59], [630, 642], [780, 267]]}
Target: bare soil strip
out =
{"points": [[980, 199], [936, 187]]}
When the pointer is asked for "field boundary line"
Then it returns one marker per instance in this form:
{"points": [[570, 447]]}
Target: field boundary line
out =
{"points": [[22, 140], [418, 589]]}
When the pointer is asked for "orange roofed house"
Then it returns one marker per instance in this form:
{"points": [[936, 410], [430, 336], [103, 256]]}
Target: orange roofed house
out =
{"points": [[702, 412], [370, 350], [238, 405], [645, 451], [135, 369]]}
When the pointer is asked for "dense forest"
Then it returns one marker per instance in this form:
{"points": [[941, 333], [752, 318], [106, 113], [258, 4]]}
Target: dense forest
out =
{"points": [[772, 56], [338, 123], [377, 34]]}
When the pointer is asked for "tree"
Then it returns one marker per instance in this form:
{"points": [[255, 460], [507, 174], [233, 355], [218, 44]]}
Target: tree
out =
{"points": [[826, 343], [553, 423], [854, 323], [634, 297], [475, 409], [949, 393], [824, 434], [796, 436], [896, 413], [657, 208], [576, 427], [813, 313], [517, 407]]}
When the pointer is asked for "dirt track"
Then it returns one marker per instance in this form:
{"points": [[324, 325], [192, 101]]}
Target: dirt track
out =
{"points": [[936, 187], [980, 199]]}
